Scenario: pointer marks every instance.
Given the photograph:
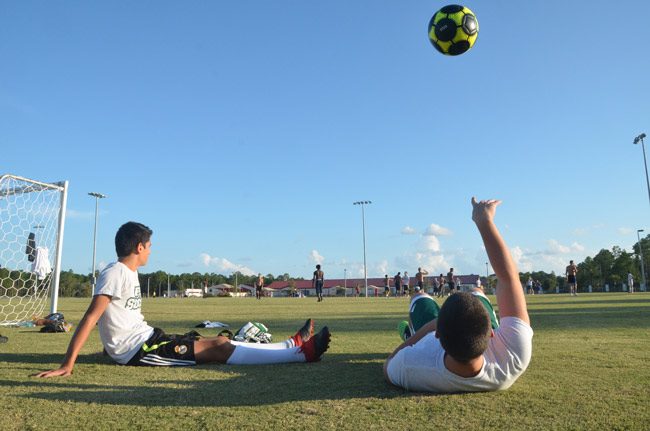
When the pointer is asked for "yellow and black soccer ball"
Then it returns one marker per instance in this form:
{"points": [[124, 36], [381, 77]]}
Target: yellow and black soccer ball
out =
{"points": [[453, 29]]}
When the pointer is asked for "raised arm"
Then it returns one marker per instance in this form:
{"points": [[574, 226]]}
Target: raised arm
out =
{"points": [[509, 292], [95, 310]]}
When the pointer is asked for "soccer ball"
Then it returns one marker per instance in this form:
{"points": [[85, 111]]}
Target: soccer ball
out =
{"points": [[453, 29]]}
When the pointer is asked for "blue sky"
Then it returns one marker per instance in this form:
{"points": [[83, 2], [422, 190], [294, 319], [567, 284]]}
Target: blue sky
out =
{"points": [[241, 132]]}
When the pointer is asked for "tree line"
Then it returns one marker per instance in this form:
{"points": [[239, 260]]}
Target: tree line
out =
{"points": [[78, 285], [607, 267]]}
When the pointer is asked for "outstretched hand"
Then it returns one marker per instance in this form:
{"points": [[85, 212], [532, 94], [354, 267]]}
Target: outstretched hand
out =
{"points": [[61, 372], [483, 211]]}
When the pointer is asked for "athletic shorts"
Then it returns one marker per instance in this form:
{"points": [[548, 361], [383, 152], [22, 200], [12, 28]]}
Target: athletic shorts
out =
{"points": [[165, 350], [572, 279], [421, 284], [423, 310]]}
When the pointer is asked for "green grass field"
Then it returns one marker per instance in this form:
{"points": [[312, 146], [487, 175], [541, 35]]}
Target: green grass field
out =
{"points": [[589, 371]]}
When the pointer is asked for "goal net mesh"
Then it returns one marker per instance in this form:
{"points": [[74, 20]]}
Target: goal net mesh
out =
{"points": [[29, 229]]}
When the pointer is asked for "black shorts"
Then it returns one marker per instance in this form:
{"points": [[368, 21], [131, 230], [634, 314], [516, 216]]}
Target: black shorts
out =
{"points": [[165, 350], [572, 279]]}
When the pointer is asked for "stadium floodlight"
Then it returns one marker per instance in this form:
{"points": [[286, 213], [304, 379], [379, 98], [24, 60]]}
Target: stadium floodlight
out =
{"points": [[643, 287], [97, 196], [363, 223], [638, 139]]}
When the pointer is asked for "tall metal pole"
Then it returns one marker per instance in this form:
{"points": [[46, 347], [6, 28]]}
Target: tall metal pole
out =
{"points": [[645, 162], [643, 287], [97, 196], [59, 249], [363, 222]]}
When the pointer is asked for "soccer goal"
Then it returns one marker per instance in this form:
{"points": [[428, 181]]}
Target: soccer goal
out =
{"points": [[32, 216]]}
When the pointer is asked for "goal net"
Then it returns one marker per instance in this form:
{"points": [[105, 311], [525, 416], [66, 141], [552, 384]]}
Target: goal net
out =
{"points": [[32, 215]]}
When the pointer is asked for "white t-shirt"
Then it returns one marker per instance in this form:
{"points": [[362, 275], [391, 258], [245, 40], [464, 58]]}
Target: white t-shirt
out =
{"points": [[122, 327], [421, 367]]}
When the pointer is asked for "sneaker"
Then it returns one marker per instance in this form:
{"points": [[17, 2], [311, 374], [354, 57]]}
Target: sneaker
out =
{"points": [[316, 345], [404, 330], [304, 333], [3, 339]]}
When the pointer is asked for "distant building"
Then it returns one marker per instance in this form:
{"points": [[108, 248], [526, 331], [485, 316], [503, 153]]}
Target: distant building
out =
{"points": [[197, 293], [332, 287]]}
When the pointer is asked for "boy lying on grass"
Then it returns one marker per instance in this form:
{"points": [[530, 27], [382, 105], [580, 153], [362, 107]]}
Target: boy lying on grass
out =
{"points": [[458, 350]]}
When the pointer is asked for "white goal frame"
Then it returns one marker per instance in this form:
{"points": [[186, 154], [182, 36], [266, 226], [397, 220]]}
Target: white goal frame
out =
{"points": [[13, 186]]}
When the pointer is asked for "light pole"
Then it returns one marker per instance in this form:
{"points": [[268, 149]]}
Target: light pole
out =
{"points": [[363, 221], [345, 282], [97, 197], [641, 256], [645, 163]]}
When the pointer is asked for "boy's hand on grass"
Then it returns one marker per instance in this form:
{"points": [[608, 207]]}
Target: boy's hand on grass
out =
{"points": [[61, 372]]}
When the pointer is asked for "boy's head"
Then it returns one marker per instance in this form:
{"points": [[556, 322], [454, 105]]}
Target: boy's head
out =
{"points": [[463, 327], [317, 266], [129, 237]]}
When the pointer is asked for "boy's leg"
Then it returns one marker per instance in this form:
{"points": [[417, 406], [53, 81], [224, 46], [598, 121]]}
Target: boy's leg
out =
{"points": [[422, 311], [253, 354], [494, 321], [302, 347]]}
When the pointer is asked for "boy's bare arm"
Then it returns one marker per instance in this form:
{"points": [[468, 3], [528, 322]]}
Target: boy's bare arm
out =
{"points": [[86, 325], [510, 295], [424, 330]]}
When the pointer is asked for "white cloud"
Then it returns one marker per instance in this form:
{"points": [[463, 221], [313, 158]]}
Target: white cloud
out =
{"points": [[556, 248], [429, 243], [79, 215], [315, 257], [382, 267], [555, 258], [577, 247], [434, 263], [434, 229], [624, 230], [408, 230], [225, 265], [580, 231]]}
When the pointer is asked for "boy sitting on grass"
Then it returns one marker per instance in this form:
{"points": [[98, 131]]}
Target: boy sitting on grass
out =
{"points": [[115, 309], [459, 351]]}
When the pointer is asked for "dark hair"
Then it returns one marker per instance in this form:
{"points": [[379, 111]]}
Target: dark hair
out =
{"points": [[129, 235], [463, 327], [317, 266]]}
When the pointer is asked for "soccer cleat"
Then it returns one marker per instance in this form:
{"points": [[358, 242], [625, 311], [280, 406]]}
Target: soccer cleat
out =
{"points": [[304, 333], [314, 348], [3, 339]]}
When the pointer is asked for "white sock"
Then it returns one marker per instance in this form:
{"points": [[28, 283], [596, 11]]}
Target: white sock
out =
{"points": [[252, 354], [287, 344]]}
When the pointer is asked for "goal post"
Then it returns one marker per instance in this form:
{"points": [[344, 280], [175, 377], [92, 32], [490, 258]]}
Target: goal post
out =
{"points": [[32, 221]]}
